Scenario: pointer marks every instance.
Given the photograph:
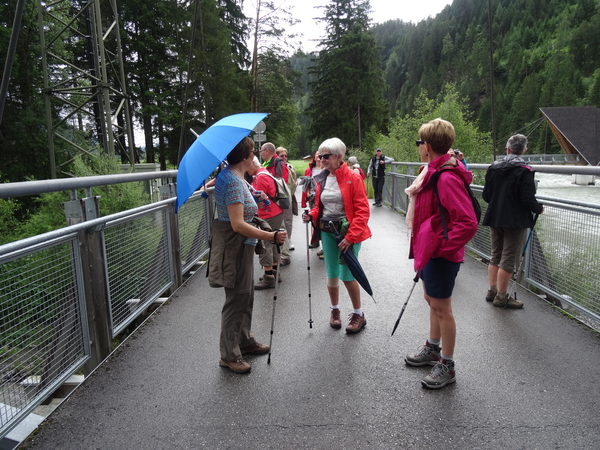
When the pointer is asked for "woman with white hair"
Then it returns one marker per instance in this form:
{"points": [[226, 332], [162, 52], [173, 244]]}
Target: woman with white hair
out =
{"points": [[341, 198], [355, 166]]}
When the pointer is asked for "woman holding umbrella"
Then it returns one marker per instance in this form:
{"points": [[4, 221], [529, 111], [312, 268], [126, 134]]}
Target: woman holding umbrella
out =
{"points": [[340, 198], [437, 259], [231, 263]]}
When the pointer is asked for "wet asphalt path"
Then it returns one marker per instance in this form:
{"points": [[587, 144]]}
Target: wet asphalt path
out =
{"points": [[525, 379]]}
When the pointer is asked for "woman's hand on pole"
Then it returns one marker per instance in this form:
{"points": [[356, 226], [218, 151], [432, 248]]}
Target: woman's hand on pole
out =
{"points": [[279, 236], [306, 218]]}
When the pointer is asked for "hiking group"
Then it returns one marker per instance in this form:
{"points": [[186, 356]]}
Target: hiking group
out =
{"points": [[441, 216]]}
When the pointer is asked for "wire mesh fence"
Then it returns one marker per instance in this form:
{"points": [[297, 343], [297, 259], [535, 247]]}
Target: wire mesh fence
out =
{"points": [[194, 221], [138, 264], [43, 337], [565, 256]]}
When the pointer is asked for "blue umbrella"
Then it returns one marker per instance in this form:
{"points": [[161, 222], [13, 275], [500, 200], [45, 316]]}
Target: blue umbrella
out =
{"points": [[210, 149]]}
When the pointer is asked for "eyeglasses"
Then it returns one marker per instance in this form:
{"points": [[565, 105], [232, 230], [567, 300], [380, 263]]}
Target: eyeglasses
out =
{"points": [[419, 143], [283, 155], [325, 156], [255, 151]]}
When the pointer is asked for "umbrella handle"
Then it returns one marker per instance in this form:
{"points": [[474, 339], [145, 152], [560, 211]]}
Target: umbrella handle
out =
{"points": [[335, 231]]}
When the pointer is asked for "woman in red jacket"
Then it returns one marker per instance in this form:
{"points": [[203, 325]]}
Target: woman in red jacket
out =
{"points": [[340, 197]]}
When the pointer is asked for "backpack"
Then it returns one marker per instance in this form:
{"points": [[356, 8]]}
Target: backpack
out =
{"points": [[282, 195], [476, 207]]}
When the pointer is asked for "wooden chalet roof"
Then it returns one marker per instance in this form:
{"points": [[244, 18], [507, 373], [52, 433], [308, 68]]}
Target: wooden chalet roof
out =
{"points": [[577, 129]]}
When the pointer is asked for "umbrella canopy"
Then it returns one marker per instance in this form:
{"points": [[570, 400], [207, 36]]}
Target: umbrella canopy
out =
{"points": [[210, 149], [353, 264]]}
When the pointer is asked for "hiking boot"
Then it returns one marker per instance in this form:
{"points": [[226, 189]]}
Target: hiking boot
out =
{"points": [[255, 349], [441, 375], [491, 294], [320, 252], [266, 282], [315, 245], [335, 321], [429, 355], [356, 324], [279, 279], [505, 301], [238, 366], [513, 303], [285, 261]]}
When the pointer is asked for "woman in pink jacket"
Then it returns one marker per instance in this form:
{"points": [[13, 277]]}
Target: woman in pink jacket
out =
{"points": [[437, 259], [340, 197]]}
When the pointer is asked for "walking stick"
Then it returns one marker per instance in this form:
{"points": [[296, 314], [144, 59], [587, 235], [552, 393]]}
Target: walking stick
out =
{"points": [[416, 279], [275, 293], [310, 321], [522, 260]]}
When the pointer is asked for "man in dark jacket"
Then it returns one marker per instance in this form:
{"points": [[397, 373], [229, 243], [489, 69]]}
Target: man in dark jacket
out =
{"points": [[377, 164], [510, 192]]}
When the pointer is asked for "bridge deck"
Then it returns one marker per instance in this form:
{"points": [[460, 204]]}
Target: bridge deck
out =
{"points": [[525, 379]]}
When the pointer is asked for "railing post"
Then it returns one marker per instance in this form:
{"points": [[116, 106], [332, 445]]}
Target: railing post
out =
{"points": [[168, 191], [94, 276]]}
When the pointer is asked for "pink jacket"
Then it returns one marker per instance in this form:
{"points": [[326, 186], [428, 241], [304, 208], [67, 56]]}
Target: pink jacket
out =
{"points": [[427, 235]]}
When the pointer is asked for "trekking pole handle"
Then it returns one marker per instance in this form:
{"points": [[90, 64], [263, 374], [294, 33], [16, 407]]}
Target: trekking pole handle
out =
{"points": [[275, 240]]}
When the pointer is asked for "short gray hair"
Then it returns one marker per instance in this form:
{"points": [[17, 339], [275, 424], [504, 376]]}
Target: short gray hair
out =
{"points": [[334, 145], [256, 162], [352, 160], [517, 144]]}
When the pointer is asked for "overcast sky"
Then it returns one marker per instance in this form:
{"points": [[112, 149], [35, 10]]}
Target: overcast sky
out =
{"points": [[383, 10]]}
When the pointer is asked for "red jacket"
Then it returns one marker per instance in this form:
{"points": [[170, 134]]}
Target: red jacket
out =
{"points": [[277, 167], [427, 235], [356, 204], [266, 184]]}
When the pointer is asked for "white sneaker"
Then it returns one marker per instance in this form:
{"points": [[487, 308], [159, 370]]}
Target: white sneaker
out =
{"points": [[292, 246]]}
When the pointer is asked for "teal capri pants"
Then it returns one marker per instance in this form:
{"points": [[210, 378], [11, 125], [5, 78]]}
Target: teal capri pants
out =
{"points": [[331, 252]]}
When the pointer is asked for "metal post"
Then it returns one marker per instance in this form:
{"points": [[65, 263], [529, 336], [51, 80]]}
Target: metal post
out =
{"points": [[12, 47], [493, 99], [94, 278]]}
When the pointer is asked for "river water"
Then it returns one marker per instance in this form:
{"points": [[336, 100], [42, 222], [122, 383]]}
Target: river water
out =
{"points": [[561, 186]]}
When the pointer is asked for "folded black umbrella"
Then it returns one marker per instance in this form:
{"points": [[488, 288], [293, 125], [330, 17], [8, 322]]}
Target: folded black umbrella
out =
{"points": [[352, 262]]}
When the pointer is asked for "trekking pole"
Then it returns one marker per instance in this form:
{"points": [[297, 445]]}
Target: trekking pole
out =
{"points": [[416, 280], [522, 260], [275, 293], [310, 321]]}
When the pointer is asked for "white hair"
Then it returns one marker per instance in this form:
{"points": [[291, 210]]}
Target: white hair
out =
{"points": [[334, 145], [352, 160]]}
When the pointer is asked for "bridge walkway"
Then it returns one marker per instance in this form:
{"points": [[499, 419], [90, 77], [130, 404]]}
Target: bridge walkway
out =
{"points": [[525, 378]]}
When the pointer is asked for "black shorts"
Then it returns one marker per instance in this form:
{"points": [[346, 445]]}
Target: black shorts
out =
{"points": [[438, 275]]}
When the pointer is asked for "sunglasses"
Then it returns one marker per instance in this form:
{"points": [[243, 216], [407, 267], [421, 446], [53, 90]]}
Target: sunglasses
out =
{"points": [[420, 143], [325, 156]]}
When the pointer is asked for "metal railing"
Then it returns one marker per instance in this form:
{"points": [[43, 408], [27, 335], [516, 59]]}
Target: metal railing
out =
{"points": [[64, 295], [563, 258]]}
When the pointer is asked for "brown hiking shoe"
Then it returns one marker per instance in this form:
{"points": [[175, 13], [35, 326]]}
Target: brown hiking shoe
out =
{"points": [[489, 297], [266, 282], [238, 366], [505, 301], [513, 303], [336, 320], [357, 323], [255, 349], [279, 279]]}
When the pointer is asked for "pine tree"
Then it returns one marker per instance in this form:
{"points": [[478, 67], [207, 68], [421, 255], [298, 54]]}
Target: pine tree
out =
{"points": [[348, 89]]}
